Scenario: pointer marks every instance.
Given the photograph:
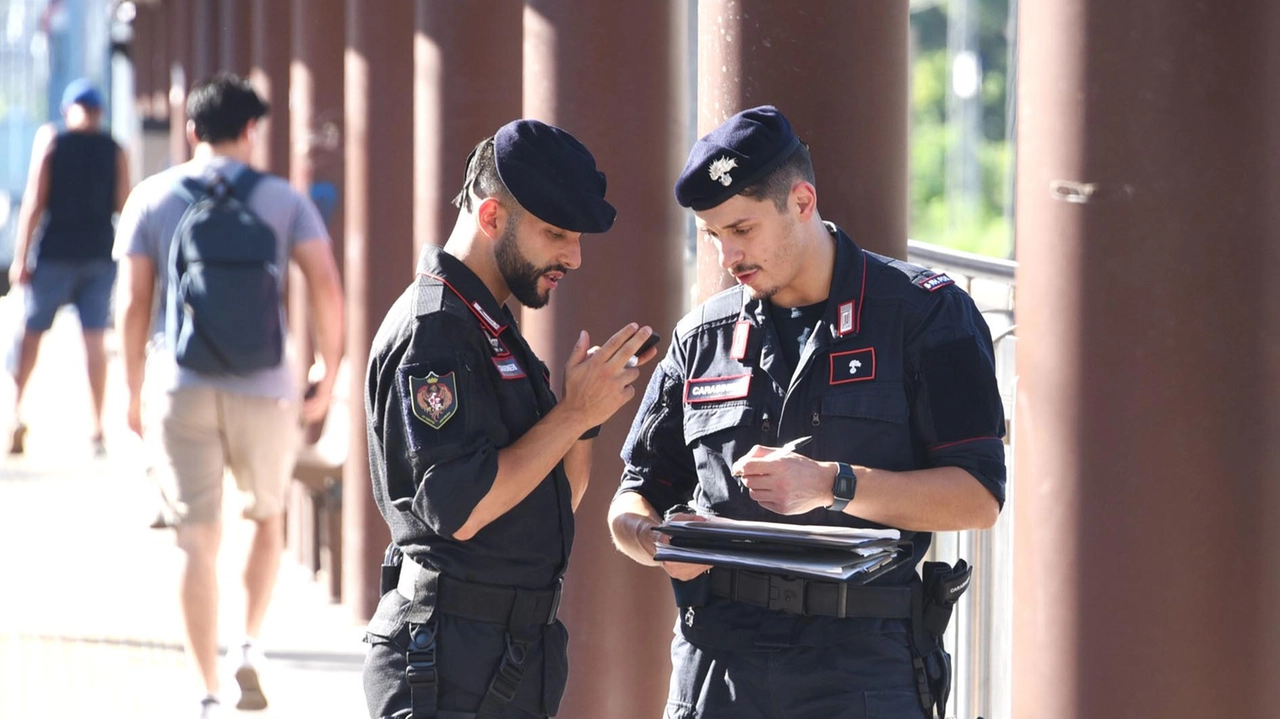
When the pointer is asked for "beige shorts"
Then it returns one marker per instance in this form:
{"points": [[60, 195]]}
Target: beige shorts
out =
{"points": [[201, 433]]}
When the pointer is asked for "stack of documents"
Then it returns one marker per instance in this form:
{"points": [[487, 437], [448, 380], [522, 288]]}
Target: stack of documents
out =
{"points": [[802, 550]]}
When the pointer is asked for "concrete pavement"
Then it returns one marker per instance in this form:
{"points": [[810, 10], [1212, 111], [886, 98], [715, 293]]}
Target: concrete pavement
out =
{"points": [[89, 617]]}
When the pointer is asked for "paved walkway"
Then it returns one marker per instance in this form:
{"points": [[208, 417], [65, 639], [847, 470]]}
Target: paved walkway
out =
{"points": [[89, 620]]}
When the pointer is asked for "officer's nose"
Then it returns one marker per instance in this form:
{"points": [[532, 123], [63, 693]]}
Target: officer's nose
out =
{"points": [[572, 257], [730, 254]]}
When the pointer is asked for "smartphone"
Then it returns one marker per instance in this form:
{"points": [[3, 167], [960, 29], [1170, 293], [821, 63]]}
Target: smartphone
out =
{"points": [[652, 341], [648, 344]]}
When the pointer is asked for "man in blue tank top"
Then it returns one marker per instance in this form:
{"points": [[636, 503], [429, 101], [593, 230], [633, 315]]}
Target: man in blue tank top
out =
{"points": [[78, 179]]}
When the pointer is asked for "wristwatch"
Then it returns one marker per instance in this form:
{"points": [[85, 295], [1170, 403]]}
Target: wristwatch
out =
{"points": [[843, 488]]}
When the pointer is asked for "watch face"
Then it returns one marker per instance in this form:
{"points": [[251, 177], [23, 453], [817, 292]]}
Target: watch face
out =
{"points": [[846, 483]]}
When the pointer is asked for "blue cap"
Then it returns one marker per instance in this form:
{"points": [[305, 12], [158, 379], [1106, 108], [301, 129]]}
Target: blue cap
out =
{"points": [[735, 156], [81, 92], [553, 176]]}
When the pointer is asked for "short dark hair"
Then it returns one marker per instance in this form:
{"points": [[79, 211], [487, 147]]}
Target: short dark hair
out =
{"points": [[483, 179], [776, 185], [222, 106]]}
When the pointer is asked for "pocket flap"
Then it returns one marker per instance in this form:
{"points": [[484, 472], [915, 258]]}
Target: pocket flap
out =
{"points": [[862, 404], [389, 616], [702, 421]]}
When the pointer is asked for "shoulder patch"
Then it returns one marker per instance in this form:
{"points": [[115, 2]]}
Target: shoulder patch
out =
{"points": [[922, 277], [932, 281], [434, 398]]}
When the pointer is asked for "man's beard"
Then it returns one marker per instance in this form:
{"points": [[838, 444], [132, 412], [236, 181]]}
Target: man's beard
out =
{"points": [[519, 273]]}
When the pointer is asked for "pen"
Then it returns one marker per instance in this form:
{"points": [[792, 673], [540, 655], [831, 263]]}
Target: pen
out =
{"points": [[790, 446], [794, 444]]}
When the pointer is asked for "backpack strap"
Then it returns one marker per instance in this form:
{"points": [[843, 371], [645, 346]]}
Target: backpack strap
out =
{"points": [[245, 182], [190, 189]]}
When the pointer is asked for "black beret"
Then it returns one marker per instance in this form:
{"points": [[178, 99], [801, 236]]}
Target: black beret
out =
{"points": [[734, 156], [553, 176]]}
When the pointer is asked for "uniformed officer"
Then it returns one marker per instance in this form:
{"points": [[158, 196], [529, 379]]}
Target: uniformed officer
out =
{"points": [[886, 365], [476, 466]]}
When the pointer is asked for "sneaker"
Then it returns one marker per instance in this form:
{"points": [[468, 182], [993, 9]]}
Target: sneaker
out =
{"points": [[19, 438], [210, 708], [251, 696]]}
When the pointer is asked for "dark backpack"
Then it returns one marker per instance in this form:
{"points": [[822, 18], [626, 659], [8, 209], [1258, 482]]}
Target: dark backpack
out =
{"points": [[224, 314]]}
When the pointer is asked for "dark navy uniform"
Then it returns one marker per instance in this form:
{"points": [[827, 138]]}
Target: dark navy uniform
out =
{"points": [[451, 381], [897, 375], [468, 629]]}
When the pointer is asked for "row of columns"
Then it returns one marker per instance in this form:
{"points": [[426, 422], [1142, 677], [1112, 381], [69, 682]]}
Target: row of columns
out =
{"points": [[386, 104], [1148, 356]]}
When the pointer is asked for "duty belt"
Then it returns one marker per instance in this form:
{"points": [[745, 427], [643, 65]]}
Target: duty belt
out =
{"points": [[510, 606], [810, 596]]}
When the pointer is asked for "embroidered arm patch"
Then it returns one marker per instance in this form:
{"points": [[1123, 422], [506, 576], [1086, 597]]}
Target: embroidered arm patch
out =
{"points": [[434, 398]]}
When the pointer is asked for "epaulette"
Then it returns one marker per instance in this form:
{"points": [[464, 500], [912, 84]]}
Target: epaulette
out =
{"points": [[922, 277], [428, 295], [723, 305]]}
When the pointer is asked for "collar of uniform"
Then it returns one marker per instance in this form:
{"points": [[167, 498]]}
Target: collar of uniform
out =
{"points": [[434, 262], [848, 287]]}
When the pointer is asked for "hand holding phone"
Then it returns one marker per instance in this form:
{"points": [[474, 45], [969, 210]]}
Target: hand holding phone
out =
{"points": [[648, 345]]}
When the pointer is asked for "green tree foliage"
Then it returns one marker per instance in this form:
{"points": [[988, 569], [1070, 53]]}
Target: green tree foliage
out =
{"points": [[987, 228]]}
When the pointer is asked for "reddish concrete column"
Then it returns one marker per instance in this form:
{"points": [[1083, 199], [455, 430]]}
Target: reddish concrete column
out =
{"points": [[838, 70], [272, 22], [157, 28], [315, 133], [178, 31], [203, 39], [460, 97], [1149, 359], [379, 244], [235, 39], [143, 52], [610, 73], [316, 92]]}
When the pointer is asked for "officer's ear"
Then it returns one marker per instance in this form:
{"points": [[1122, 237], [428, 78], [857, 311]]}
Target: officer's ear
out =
{"points": [[804, 197], [490, 216]]}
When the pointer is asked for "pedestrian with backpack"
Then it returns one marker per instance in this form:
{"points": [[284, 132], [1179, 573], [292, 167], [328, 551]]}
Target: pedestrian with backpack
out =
{"points": [[205, 247]]}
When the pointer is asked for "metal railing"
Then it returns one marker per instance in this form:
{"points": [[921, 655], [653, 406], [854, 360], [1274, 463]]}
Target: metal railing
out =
{"points": [[981, 633]]}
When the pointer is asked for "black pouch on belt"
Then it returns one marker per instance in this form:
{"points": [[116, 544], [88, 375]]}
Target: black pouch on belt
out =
{"points": [[932, 602], [694, 593], [390, 576]]}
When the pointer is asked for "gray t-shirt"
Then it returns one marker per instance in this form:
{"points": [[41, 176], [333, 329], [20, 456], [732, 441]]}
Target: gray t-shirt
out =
{"points": [[146, 228]]}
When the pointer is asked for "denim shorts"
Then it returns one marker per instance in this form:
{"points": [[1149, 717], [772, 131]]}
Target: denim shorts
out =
{"points": [[85, 283]]}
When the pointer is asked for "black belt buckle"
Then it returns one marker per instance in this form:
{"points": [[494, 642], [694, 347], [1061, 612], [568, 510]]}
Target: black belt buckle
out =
{"points": [[786, 594], [421, 668], [555, 601]]}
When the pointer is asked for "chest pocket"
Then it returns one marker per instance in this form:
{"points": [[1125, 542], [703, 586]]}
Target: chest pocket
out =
{"points": [[863, 404], [719, 435], [518, 403], [703, 421], [864, 426]]}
